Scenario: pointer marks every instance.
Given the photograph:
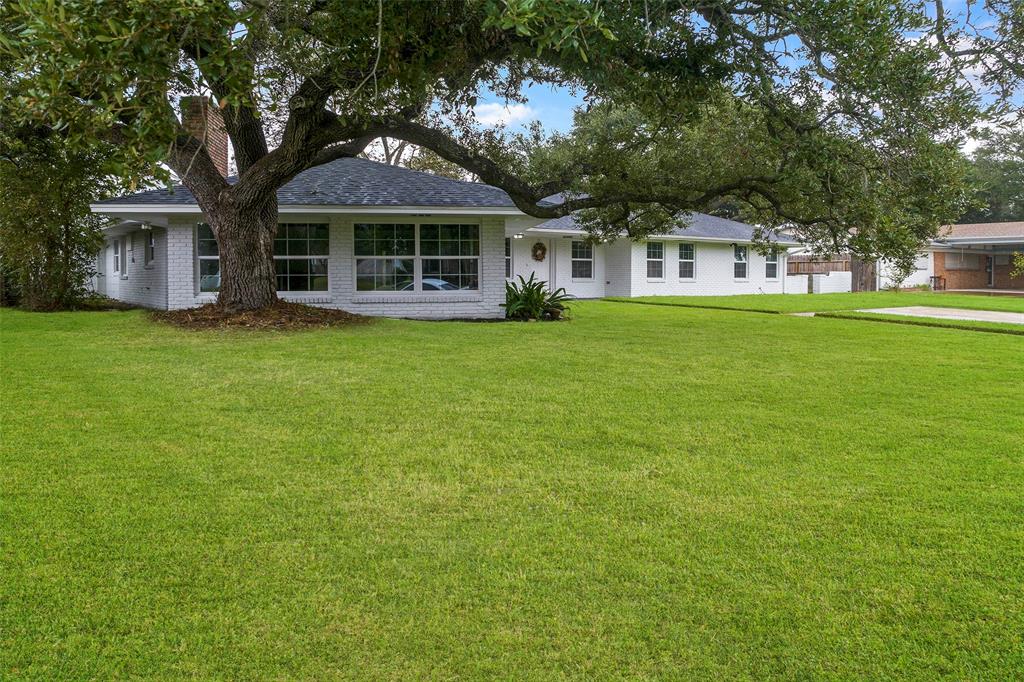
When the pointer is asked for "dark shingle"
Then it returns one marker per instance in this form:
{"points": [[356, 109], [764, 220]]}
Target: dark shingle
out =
{"points": [[355, 182]]}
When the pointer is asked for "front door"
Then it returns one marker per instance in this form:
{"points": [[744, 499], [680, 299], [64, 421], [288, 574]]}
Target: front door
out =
{"points": [[537, 260], [101, 272], [990, 270]]}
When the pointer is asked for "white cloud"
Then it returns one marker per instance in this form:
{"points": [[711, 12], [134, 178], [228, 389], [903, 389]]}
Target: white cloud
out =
{"points": [[503, 114]]}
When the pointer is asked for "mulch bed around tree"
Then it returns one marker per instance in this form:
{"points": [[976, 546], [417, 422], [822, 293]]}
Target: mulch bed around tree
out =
{"points": [[280, 316]]}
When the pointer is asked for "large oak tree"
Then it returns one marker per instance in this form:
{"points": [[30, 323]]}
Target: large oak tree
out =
{"points": [[832, 117]]}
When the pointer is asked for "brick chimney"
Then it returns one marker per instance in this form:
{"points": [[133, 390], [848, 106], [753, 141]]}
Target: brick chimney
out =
{"points": [[205, 123]]}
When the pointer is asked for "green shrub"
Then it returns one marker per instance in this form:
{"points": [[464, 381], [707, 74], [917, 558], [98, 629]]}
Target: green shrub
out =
{"points": [[529, 299]]}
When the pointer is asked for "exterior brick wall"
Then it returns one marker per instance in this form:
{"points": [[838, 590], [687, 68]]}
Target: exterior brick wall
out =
{"points": [[620, 269], [139, 283], [485, 303], [977, 277]]}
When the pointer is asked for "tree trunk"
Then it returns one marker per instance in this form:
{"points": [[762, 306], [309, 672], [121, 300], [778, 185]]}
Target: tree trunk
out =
{"points": [[245, 241]]}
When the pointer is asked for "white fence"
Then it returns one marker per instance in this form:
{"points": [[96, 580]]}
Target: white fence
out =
{"points": [[832, 283], [796, 284]]}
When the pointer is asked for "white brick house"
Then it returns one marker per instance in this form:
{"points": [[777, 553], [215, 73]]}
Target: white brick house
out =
{"points": [[381, 240]]}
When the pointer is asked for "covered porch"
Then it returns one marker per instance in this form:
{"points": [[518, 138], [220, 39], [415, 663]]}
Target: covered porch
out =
{"points": [[979, 258]]}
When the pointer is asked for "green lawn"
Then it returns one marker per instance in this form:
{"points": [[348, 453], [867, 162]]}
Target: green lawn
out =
{"points": [[644, 491], [805, 303]]}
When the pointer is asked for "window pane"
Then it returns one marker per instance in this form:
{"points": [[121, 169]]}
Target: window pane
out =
{"points": [[654, 250], [771, 270], [582, 269], [654, 269], [319, 247], [209, 274], [582, 250], [319, 231], [451, 273], [373, 239], [206, 245], [686, 252], [686, 269], [296, 231], [384, 274], [740, 253], [739, 270]]}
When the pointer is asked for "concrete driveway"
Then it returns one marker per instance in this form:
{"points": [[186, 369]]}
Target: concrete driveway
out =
{"points": [[951, 314]]}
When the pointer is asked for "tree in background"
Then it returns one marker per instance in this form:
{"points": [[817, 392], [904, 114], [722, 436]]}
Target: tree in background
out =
{"points": [[832, 118], [414, 157], [997, 170], [48, 236]]}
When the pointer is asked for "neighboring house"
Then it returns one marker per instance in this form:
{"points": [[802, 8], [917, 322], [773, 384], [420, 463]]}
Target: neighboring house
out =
{"points": [[383, 240], [977, 256]]}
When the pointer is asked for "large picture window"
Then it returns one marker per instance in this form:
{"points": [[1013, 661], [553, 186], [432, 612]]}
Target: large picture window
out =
{"points": [[410, 257], [385, 257], [300, 257], [655, 260], [739, 266], [582, 260], [451, 256], [687, 261]]}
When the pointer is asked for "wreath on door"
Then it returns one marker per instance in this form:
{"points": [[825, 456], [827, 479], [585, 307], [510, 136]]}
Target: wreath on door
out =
{"points": [[539, 252]]}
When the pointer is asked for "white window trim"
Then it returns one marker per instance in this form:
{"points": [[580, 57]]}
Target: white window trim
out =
{"points": [[417, 277], [510, 270], [148, 249], [778, 264], [124, 257], [693, 260], [648, 260], [592, 260], [283, 294], [308, 294], [197, 259], [745, 261]]}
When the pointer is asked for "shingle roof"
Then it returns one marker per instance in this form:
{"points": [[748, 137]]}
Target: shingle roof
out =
{"points": [[695, 225], [355, 182], [982, 230]]}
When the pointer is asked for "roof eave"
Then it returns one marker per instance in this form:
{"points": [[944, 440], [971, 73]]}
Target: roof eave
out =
{"points": [[135, 209]]}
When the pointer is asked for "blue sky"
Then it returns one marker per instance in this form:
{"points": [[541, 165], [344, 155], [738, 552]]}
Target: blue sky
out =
{"points": [[553, 106]]}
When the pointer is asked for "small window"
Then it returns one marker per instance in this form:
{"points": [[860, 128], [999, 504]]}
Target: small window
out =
{"points": [[508, 258], [655, 260], [150, 251], [771, 265], [209, 259], [739, 268], [582, 260], [124, 256], [117, 255], [687, 261]]}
